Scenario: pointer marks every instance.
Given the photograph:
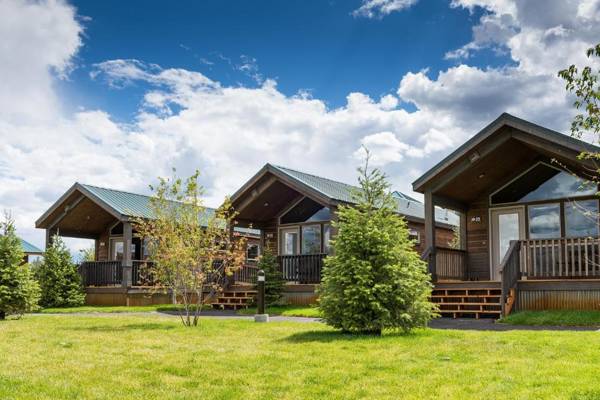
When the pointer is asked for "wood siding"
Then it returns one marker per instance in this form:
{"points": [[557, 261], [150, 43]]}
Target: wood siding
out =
{"points": [[478, 256], [443, 237]]}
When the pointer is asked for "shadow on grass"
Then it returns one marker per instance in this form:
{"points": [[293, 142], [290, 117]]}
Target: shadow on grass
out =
{"points": [[338, 336], [148, 326]]}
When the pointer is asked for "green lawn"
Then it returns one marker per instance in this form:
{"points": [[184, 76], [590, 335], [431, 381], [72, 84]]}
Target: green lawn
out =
{"points": [[154, 357], [554, 318], [111, 309], [287, 311]]}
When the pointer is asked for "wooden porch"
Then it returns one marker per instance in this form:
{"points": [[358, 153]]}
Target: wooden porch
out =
{"points": [[533, 272]]}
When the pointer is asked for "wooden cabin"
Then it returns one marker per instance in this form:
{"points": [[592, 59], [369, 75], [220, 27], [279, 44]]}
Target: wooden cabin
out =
{"points": [[293, 210], [30, 251], [105, 216], [528, 222]]}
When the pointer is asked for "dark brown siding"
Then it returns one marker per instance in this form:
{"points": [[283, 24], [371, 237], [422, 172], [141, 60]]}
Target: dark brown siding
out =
{"points": [[102, 247], [478, 258], [443, 237]]}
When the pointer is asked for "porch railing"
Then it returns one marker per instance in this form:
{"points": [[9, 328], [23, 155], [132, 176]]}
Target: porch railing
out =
{"points": [[509, 276], [246, 274], [101, 273], [302, 268], [450, 264], [560, 258]]}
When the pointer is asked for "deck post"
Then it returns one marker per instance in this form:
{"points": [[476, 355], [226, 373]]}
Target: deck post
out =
{"points": [[50, 237], [430, 232], [127, 262]]}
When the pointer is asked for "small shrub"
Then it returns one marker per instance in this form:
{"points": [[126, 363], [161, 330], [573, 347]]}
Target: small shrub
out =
{"points": [[274, 283], [58, 277], [19, 292]]}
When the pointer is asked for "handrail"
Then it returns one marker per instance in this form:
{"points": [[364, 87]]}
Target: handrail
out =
{"points": [[427, 253], [510, 273]]}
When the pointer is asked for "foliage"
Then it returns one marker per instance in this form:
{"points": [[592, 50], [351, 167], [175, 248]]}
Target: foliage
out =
{"points": [[585, 84], [455, 242], [191, 249], [274, 283], [58, 277], [375, 279], [88, 254], [19, 292]]}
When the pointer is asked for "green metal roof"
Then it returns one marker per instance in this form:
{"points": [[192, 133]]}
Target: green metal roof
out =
{"points": [[333, 189], [340, 191], [28, 248], [138, 205]]}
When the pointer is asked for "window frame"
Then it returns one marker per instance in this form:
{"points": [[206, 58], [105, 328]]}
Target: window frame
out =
{"points": [[561, 221], [549, 200]]}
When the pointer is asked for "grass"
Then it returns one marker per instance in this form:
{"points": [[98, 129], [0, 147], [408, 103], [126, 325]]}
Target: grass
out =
{"points": [[287, 311], [154, 357], [111, 309], [554, 318]]}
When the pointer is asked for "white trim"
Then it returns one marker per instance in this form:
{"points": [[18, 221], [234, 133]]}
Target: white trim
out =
{"points": [[279, 238], [491, 236]]}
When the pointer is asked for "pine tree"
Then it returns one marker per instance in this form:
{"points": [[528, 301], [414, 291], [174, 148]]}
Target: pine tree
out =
{"points": [[274, 283], [58, 277], [19, 292], [375, 280]]}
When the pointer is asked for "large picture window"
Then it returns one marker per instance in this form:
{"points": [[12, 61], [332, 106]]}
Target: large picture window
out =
{"points": [[581, 218], [543, 182], [544, 221]]}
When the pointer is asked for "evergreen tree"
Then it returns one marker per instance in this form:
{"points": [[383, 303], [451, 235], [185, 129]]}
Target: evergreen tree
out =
{"points": [[274, 283], [58, 277], [19, 292], [374, 280]]}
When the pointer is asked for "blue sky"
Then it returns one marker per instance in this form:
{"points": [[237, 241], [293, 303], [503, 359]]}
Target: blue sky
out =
{"points": [[116, 93], [318, 46]]}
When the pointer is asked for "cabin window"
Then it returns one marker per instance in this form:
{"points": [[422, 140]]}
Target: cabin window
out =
{"points": [[289, 241], [581, 218], [306, 210], [252, 252], [543, 182], [311, 239], [413, 235], [544, 221], [326, 238]]}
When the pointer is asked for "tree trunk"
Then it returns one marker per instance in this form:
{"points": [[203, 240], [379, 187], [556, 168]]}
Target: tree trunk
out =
{"points": [[2, 315]]}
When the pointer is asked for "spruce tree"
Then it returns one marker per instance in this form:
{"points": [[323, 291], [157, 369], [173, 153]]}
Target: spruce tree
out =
{"points": [[374, 280], [58, 277], [19, 292], [274, 283]]}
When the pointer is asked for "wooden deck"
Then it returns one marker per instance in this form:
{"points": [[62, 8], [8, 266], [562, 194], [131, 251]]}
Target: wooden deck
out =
{"points": [[468, 299]]}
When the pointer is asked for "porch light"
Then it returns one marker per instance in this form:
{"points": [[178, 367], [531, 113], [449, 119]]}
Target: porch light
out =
{"points": [[481, 175], [266, 204]]}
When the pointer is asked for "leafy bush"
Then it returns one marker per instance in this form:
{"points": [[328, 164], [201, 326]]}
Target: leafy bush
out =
{"points": [[58, 277], [19, 292], [274, 283], [375, 279]]}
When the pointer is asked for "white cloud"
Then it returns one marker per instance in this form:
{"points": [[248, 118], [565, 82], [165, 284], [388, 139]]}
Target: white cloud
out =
{"points": [[381, 8], [188, 120]]}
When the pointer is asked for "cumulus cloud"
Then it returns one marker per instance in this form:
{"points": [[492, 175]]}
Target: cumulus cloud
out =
{"points": [[381, 8], [189, 120]]}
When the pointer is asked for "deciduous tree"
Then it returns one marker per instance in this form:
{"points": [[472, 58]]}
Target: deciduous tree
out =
{"points": [[191, 249]]}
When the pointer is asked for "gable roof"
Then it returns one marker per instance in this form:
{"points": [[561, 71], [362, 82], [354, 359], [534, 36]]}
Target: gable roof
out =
{"points": [[125, 205], [504, 119], [28, 248], [336, 191]]}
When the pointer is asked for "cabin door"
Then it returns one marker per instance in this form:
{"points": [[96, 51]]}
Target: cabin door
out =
{"points": [[507, 224]]}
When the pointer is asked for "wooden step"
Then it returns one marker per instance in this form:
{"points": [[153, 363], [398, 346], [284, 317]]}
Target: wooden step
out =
{"points": [[468, 300]]}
